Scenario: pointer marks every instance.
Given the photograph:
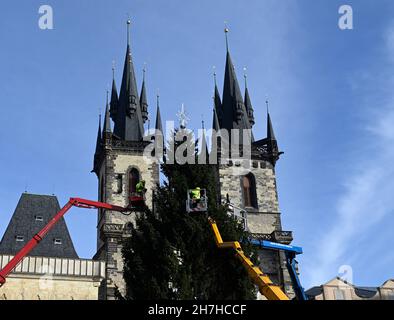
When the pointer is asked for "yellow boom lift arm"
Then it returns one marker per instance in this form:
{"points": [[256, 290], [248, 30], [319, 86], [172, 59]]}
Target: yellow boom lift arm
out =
{"points": [[264, 283]]}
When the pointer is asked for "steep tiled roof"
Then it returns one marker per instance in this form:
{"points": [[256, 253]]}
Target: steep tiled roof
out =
{"points": [[31, 214]]}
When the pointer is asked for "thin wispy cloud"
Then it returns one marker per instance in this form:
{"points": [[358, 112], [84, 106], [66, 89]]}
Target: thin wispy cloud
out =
{"points": [[368, 191]]}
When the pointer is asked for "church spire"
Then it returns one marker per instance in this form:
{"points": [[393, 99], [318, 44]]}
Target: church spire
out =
{"points": [[129, 124], [114, 104], [107, 121], [98, 147], [159, 124], [270, 129], [234, 115], [143, 99], [272, 144], [159, 134], [99, 137], [248, 103], [204, 144]]}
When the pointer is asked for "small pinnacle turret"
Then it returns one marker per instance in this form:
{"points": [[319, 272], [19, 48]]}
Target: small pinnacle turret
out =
{"points": [[143, 99], [114, 98], [248, 104], [98, 146], [107, 120], [159, 124]]}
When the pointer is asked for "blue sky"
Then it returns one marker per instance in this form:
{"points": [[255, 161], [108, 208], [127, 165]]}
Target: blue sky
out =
{"points": [[330, 92]]}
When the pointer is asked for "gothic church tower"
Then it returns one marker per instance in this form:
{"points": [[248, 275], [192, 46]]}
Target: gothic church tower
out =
{"points": [[251, 187], [119, 165]]}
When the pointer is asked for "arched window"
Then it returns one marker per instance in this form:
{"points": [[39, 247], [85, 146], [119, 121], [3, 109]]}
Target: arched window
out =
{"points": [[134, 178], [249, 191]]}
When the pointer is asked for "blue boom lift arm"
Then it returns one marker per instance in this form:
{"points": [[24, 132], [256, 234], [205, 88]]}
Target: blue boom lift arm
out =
{"points": [[290, 253]]}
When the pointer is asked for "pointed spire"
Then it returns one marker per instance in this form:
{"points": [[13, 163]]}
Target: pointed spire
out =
{"points": [[204, 144], [114, 104], [107, 121], [159, 134], [270, 129], [159, 124], [99, 137], [98, 147], [232, 98], [234, 114], [143, 99], [248, 103], [272, 144], [129, 124]]}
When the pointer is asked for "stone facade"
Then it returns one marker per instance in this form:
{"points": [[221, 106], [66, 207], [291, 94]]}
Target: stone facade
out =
{"points": [[113, 227], [264, 219], [120, 150], [42, 278]]}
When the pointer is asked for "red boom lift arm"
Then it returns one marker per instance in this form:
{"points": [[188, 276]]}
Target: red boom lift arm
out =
{"points": [[73, 202]]}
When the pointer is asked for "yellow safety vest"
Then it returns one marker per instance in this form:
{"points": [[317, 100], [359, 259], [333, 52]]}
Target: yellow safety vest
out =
{"points": [[196, 194], [140, 186]]}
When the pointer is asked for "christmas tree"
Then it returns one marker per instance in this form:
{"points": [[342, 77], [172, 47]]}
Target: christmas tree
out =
{"points": [[171, 254]]}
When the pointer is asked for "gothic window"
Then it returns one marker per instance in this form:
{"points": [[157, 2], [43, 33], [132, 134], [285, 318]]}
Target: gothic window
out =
{"points": [[249, 191], [134, 178]]}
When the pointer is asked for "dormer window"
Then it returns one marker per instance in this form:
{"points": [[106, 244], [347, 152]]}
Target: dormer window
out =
{"points": [[20, 238], [57, 241], [39, 218]]}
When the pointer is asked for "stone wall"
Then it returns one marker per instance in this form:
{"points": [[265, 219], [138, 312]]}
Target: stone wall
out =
{"points": [[230, 176], [265, 218], [114, 227], [38, 278]]}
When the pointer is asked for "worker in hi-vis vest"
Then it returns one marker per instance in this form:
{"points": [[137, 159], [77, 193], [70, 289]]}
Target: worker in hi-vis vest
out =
{"points": [[195, 196], [140, 188], [196, 193]]}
